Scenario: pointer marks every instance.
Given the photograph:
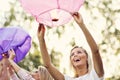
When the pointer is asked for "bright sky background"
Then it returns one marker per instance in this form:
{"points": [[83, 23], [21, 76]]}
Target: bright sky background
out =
{"points": [[62, 44]]}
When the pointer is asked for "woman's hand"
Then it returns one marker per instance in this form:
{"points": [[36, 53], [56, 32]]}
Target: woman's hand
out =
{"points": [[11, 70], [11, 54], [77, 17], [41, 31]]}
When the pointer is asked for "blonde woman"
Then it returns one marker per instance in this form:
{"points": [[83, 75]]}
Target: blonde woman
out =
{"points": [[78, 56], [40, 74]]}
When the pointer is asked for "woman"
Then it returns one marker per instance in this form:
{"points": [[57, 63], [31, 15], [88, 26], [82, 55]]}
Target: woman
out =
{"points": [[40, 74], [78, 56]]}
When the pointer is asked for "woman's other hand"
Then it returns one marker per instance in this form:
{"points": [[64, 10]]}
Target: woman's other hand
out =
{"points": [[41, 31], [11, 54], [77, 17]]}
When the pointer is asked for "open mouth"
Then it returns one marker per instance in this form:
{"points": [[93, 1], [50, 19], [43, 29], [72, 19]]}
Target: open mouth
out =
{"points": [[77, 60]]}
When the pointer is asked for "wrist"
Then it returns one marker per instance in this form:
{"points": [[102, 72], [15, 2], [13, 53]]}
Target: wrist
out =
{"points": [[10, 60], [41, 39], [81, 24]]}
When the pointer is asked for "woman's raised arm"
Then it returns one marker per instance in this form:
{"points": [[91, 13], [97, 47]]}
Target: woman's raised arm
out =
{"points": [[46, 58], [97, 61]]}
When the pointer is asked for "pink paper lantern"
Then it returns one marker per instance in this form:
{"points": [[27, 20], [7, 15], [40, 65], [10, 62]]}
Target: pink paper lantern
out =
{"points": [[52, 12]]}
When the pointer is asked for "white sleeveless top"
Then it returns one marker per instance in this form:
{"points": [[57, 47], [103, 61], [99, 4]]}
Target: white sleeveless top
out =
{"points": [[92, 75]]}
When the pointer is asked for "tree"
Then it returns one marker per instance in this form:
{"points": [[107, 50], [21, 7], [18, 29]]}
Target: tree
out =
{"points": [[109, 11]]}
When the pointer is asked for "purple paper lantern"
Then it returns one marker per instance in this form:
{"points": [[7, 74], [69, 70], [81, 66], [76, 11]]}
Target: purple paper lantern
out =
{"points": [[14, 38], [52, 12]]}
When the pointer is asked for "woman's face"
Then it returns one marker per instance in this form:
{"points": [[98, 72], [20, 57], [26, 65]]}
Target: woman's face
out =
{"points": [[78, 57]]}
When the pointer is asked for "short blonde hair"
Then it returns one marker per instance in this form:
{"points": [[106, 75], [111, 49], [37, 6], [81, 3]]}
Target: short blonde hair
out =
{"points": [[44, 74]]}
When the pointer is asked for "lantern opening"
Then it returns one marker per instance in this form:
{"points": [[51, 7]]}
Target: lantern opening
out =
{"points": [[54, 15], [55, 19]]}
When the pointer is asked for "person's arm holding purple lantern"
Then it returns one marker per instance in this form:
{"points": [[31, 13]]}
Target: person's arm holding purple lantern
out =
{"points": [[23, 74]]}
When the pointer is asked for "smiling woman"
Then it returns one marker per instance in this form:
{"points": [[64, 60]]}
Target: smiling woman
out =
{"points": [[78, 57]]}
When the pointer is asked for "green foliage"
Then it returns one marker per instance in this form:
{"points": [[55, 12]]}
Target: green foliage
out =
{"points": [[111, 32], [15, 15], [109, 13], [55, 56], [32, 60]]}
